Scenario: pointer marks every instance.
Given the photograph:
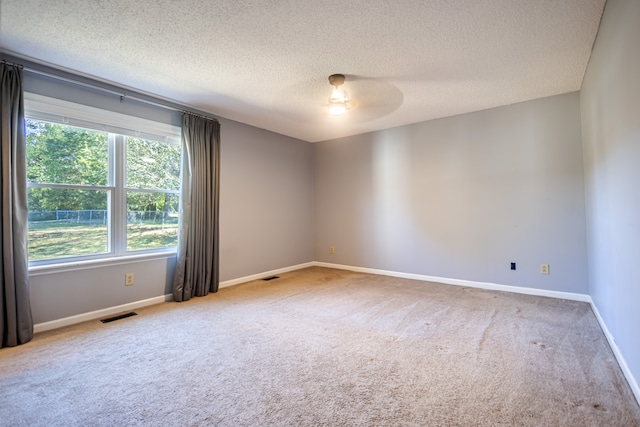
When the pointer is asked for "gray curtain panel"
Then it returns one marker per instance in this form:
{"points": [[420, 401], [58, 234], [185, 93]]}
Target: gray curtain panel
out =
{"points": [[16, 322], [197, 261]]}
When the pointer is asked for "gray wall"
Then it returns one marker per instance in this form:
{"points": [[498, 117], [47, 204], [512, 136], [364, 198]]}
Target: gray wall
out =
{"points": [[56, 295], [266, 201], [610, 101], [461, 197], [266, 215]]}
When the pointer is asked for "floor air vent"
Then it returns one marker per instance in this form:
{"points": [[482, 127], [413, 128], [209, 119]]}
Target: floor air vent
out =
{"points": [[266, 279], [118, 317]]}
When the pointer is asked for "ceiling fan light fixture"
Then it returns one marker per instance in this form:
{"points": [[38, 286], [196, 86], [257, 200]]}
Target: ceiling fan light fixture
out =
{"points": [[337, 108], [338, 95], [339, 99]]}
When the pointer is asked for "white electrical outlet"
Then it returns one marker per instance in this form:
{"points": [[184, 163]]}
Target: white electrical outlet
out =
{"points": [[332, 250], [544, 268], [128, 279]]}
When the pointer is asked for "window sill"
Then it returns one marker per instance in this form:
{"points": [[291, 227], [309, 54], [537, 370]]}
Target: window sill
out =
{"points": [[39, 270]]}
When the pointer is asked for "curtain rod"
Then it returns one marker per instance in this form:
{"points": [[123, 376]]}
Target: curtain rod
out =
{"points": [[122, 94], [11, 64]]}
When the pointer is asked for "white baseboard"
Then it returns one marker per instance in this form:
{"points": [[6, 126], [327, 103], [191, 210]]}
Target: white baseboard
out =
{"points": [[97, 314], [459, 282], [616, 351], [45, 326], [239, 280]]}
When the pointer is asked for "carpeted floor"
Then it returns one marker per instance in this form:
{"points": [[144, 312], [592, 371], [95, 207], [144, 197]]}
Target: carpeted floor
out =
{"points": [[323, 347]]}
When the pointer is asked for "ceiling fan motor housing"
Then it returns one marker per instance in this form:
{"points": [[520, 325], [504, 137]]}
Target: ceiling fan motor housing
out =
{"points": [[336, 79]]}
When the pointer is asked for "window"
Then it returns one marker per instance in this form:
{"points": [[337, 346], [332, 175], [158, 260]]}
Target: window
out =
{"points": [[152, 200], [98, 189]]}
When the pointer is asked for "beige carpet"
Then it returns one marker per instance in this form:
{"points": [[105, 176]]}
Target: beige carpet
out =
{"points": [[325, 347]]}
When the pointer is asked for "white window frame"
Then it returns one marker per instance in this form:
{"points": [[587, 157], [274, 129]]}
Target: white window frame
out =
{"points": [[118, 126]]}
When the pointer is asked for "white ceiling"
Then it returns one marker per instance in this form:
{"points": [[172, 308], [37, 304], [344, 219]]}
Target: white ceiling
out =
{"points": [[266, 62]]}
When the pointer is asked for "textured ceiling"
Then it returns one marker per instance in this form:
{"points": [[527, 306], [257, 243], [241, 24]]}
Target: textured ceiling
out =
{"points": [[266, 62]]}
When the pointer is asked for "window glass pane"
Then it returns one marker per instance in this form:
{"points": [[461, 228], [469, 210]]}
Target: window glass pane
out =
{"points": [[152, 220], [152, 165], [65, 223], [62, 154]]}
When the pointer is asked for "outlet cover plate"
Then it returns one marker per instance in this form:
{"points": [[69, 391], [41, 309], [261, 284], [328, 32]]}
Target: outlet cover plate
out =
{"points": [[128, 279]]}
